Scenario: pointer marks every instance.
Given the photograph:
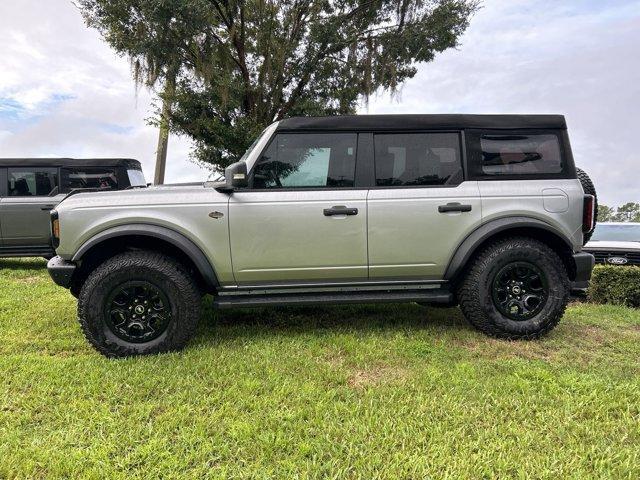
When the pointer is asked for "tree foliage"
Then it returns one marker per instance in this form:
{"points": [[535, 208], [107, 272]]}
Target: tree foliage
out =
{"points": [[245, 63], [605, 213], [629, 212], [153, 34]]}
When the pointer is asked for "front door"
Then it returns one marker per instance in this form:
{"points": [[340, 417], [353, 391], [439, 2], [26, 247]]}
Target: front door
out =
{"points": [[421, 208], [24, 211], [301, 221]]}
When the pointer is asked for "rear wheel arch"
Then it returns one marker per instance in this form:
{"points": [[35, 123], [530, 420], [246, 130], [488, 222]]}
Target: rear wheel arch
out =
{"points": [[509, 227], [118, 239]]}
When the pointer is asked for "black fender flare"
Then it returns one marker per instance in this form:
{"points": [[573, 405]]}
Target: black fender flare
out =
{"points": [[190, 249], [470, 244]]}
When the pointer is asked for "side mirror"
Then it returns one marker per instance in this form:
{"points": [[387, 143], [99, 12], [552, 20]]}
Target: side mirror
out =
{"points": [[235, 177]]}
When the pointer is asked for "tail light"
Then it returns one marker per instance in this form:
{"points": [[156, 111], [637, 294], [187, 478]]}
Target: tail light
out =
{"points": [[55, 229], [588, 213]]}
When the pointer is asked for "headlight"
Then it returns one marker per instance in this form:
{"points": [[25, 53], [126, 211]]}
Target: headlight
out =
{"points": [[55, 229]]}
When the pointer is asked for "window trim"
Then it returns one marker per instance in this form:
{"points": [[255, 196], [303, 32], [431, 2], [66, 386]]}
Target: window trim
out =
{"points": [[4, 182], [462, 159], [115, 170], [365, 175], [365, 160], [304, 189], [475, 158], [54, 170]]}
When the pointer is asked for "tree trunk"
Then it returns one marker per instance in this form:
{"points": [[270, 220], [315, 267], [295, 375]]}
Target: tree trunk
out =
{"points": [[163, 135], [161, 152]]}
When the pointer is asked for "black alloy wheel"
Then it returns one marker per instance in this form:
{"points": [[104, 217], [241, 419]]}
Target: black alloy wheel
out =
{"points": [[520, 290], [137, 312]]}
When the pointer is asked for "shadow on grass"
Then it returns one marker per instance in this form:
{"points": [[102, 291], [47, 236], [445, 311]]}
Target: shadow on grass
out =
{"points": [[23, 263], [239, 323]]}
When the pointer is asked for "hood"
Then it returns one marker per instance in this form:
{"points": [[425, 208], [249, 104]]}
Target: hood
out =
{"points": [[160, 195], [611, 245]]}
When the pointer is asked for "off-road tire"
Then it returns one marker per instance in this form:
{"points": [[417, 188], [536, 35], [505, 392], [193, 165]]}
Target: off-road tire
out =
{"points": [[589, 189], [167, 275], [475, 289]]}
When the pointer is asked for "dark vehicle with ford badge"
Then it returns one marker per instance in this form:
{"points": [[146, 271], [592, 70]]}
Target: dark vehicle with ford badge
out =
{"points": [[615, 243], [31, 187]]}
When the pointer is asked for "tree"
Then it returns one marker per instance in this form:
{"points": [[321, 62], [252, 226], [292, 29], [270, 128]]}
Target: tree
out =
{"points": [[247, 63], [629, 212], [152, 34], [605, 214]]}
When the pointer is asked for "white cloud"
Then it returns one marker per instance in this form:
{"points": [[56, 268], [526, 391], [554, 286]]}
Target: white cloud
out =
{"points": [[574, 58], [578, 58], [75, 96]]}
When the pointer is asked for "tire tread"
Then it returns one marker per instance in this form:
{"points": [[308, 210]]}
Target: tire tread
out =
{"points": [[469, 289], [162, 264]]}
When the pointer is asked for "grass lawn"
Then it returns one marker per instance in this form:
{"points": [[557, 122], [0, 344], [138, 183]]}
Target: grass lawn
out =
{"points": [[394, 391]]}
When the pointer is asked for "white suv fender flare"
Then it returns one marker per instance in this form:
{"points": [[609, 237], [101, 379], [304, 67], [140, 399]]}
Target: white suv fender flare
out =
{"points": [[469, 245], [190, 249]]}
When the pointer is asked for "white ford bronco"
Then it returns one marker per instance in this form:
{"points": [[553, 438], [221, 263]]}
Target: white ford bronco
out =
{"points": [[484, 211]]}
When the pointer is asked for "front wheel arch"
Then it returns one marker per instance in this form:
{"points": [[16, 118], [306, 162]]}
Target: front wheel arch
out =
{"points": [[143, 237]]}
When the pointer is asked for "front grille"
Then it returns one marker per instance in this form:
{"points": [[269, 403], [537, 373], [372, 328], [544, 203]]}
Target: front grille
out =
{"points": [[603, 256]]}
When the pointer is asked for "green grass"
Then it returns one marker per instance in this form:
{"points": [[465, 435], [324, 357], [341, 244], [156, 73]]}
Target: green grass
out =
{"points": [[395, 391]]}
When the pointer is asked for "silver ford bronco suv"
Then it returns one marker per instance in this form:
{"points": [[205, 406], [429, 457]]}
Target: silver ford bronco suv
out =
{"points": [[484, 211]]}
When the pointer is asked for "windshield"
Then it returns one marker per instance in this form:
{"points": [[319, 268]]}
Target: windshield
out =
{"points": [[253, 145], [617, 233]]}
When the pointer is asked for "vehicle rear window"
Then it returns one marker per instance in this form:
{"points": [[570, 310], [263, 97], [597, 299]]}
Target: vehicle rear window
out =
{"points": [[617, 233], [520, 154], [307, 160], [414, 159], [32, 182], [88, 177]]}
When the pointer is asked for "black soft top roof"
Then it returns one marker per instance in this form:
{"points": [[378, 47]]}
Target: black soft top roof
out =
{"points": [[419, 122], [70, 162]]}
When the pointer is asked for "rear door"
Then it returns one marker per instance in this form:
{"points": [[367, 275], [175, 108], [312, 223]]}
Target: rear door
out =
{"points": [[420, 208], [302, 220], [31, 192]]}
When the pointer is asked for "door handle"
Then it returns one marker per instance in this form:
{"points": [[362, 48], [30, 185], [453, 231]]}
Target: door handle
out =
{"points": [[339, 210], [47, 207], [454, 207]]}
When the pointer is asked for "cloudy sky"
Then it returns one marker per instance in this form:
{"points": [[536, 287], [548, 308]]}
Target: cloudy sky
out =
{"points": [[64, 93]]}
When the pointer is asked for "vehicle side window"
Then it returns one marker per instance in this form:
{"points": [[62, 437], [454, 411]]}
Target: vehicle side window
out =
{"points": [[307, 160], [412, 159], [519, 154], [32, 182], [88, 177], [136, 177]]}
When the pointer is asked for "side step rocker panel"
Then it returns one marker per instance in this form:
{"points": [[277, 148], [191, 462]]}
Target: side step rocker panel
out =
{"points": [[9, 252], [334, 298]]}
